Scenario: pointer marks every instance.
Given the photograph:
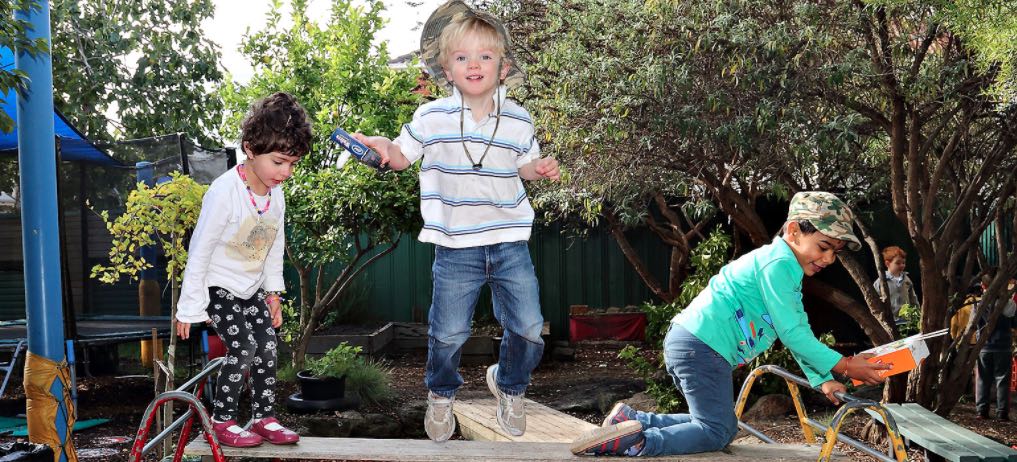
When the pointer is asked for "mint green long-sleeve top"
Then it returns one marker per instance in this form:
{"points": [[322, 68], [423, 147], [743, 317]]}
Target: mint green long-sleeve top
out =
{"points": [[752, 302]]}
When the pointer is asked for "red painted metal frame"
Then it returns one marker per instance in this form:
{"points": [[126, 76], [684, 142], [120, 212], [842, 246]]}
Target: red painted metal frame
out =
{"points": [[197, 411]]}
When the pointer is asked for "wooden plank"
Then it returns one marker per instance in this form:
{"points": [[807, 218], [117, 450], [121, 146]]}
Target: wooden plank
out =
{"points": [[945, 438], [477, 421], [458, 451]]}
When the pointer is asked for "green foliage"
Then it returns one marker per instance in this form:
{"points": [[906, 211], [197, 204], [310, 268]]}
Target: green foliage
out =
{"points": [[368, 378], [160, 215], [990, 28], [707, 259], [347, 213], [148, 63], [912, 316], [14, 35]]}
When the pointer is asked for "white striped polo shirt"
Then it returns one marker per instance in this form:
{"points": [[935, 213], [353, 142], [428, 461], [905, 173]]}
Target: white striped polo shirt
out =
{"points": [[463, 207]]}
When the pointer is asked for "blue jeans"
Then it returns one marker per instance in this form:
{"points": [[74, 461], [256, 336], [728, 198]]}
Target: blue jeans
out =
{"points": [[458, 275], [704, 378]]}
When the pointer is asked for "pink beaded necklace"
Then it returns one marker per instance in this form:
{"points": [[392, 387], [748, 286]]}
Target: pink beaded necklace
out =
{"points": [[250, 194]]}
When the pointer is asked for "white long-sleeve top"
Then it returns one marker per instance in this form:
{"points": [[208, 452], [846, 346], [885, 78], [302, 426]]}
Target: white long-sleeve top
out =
{"points": [[232, 247]]}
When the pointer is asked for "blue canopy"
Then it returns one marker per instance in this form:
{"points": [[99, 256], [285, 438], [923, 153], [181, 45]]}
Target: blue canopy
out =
{"points": [[73, 145]]}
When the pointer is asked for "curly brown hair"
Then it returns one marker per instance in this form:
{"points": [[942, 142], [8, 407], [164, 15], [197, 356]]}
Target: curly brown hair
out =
{"points": [[276, 123]]}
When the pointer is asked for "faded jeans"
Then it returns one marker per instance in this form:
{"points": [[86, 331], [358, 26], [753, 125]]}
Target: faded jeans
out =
{"points": [[705, 379], [459, 275]]}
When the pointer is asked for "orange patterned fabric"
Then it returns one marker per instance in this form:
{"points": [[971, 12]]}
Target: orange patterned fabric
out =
{"points": [[42, 407]]}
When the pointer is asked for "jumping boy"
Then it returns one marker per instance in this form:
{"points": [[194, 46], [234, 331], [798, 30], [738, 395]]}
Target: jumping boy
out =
{"points": [[475, 147]]}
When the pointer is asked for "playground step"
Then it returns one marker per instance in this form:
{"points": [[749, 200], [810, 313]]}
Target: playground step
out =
{"points": [[460, 451], [477, 421]]}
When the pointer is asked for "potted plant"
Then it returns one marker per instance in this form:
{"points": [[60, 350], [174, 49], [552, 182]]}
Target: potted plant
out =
{"points": [[326, 380], [325, 377]]}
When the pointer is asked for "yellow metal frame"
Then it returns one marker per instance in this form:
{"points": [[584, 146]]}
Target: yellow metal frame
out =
{"points": [[850, 405]]}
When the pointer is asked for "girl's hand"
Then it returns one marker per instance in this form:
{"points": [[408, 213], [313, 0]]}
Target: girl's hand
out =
{"points": [[380, 144], [183, 330], [830, 387], [547, 167], [275, 309]]}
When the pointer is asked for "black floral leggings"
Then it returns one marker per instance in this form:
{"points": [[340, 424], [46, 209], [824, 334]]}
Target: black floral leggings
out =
{"points": [[245, 327]]}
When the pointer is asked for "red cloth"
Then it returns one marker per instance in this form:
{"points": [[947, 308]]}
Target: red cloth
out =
{"points": [[614, 326], [216, 349]]}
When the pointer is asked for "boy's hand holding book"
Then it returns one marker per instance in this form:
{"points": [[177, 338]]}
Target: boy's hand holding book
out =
{"points": [[859, 368]]}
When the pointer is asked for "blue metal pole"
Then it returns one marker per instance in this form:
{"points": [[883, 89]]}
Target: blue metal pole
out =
{"points": [[40, 233]]}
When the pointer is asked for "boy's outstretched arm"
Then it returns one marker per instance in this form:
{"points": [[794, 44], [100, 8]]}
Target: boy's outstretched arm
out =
{"points": [[391, 154], [545, 167]]}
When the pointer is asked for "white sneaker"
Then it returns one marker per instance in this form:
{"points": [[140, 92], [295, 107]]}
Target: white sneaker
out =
{"points": [[511, 411], [439, 421]]}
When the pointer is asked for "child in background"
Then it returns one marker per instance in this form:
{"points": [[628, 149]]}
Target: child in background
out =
{"points": [[899, 290], [233, 276], [752, 302], [476, 146]]}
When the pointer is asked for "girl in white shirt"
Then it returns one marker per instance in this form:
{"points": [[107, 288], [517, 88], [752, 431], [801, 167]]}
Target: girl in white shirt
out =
{"points": [[233, 276]]}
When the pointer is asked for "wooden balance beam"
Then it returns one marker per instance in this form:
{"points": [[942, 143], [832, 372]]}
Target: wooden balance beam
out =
{"points": [[549, 434], [463, 451]]}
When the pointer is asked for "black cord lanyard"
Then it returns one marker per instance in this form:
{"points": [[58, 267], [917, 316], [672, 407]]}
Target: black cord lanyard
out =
{"points": [[477, 165]]}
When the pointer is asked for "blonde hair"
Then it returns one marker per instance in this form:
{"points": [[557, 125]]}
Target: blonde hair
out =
{"points": [[454, 33]]}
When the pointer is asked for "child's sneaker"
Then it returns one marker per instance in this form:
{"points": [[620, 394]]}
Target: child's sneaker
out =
{"points": [[511, 410], [619, 413], [439, 421], [624, 439]]}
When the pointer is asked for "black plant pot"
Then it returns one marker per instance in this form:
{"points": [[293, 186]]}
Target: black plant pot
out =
{"points": [[314, 388]]}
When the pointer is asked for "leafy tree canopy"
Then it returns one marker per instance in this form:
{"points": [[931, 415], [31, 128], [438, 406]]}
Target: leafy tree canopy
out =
{"points": [[13, 36], [132, 69]]}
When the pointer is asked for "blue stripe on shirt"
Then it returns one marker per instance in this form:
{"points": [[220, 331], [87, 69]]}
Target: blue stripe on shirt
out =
{"points": [[469, 201], [478, 228]]}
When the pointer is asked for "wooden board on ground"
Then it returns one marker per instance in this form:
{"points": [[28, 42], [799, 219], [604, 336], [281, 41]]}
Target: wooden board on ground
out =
{"points": [[945, 438], [460, 451], [478, 422]]}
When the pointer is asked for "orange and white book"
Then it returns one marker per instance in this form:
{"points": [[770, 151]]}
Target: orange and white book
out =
{"points": [[903, 355]]}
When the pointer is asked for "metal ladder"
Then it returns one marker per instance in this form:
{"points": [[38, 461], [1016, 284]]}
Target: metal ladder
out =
{"points": [[895, 453], [8, 366]]}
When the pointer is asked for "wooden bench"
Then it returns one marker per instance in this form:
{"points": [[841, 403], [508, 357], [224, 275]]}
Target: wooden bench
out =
{"points": [[465, 451], [944, 439]]}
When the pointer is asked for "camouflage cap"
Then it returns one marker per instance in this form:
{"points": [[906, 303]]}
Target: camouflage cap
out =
{"points": [[827, 213], [456, 10]]}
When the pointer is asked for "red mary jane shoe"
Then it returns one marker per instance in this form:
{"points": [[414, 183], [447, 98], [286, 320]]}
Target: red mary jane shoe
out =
{"points": [[244, 439], [281, 436]]}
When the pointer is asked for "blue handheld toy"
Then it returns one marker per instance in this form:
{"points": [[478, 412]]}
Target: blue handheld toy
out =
{"points": [[363, 153]]}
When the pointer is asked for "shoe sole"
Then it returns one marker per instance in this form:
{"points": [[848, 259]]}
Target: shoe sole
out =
{"points": [[492, 384], [599, 436], [610, 415]]}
